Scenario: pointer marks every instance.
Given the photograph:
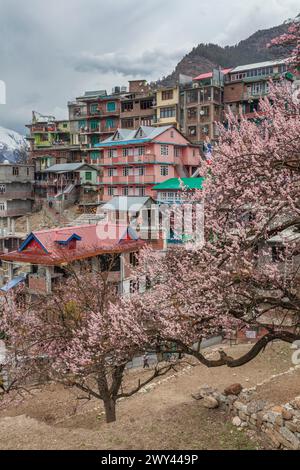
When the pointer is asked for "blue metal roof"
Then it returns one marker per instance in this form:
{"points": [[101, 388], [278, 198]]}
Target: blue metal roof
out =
{"points": [[114, 143], [13, 283], [137, 136]]}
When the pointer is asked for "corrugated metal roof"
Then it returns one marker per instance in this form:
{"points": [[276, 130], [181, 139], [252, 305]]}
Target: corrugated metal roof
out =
{"points": [[269, 63], [66, 167], [175, 184], [133, 137], [96, 239], [210, 74], [126, 203], [13, 283]]}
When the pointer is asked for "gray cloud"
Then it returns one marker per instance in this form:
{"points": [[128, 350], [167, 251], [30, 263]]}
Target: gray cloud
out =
{"points": [[50, 53], [149, 64]]}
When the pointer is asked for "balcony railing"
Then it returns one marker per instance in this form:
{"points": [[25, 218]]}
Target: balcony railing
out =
{"points": [[130, 179], [248, 95], [138, 159], [97, 130]]}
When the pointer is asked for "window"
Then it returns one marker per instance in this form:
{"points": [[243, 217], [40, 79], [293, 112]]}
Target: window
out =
{"points": [[95, 139], [282, 68], [205, 94], [111, 106], [94, 108], [15, 171], [217, 95], [192, 113], [112, 191], [204, 112], [177, 151], [146, 104], [112, 172], [139, 151], [94, 124], [2, 206], [192, 96], [127, 106], [141, 192], [127, 123], [134, 286], [112, 153], [27, 171], [278, 253], [131, 191], [88, 176], [146, 121], [95, 155], [167, 95], [164, 171], [204, 130], [140, 170], [192, 131], [167, 112], [133, 259], [110, 123], [2, 188], [164, 150], [128, 151], [125, 191], [172, 134], [126, 171]]}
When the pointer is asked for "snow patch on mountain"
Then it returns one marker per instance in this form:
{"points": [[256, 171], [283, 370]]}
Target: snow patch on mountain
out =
{"points": [[13, 146]]}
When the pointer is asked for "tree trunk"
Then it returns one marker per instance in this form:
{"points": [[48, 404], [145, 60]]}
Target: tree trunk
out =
{"points": [[110, 410]]}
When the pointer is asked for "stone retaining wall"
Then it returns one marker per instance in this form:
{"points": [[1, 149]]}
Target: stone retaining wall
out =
{"points": [[279, 423]]}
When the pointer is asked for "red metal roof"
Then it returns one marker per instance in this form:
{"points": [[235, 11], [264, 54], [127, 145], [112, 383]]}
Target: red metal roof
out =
{"points": [[210, 74], [43, 247]]}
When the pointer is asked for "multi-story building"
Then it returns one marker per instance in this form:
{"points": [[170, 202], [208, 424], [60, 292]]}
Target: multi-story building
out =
{"points": [[16, 198], [101, 121], [134, 161], [246, 84], [202, 106], [167, 107], [137, 106], [62, 185], [50, 142], [77, 115]]}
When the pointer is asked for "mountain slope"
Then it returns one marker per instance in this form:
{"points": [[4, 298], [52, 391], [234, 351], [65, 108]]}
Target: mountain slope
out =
{"points": [[205, 57], [13, 146]]}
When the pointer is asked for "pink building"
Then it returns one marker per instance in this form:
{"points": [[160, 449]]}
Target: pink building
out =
{"points": [[135, 161]]}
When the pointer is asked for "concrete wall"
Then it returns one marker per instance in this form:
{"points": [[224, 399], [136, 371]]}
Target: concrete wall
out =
{"points": [[8, 173]]}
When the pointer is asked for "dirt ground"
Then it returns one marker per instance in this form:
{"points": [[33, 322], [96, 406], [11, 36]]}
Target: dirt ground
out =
{"points": [[46, 218], [164, 417], [282, 389]]}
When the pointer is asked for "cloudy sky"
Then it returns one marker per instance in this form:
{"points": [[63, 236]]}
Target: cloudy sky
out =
{"points": [[51, 51]]}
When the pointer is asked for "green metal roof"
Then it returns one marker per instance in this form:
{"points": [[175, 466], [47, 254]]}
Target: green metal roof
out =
{"points": [[175, 184]]}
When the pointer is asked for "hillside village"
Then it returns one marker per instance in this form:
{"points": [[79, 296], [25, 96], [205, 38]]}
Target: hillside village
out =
{"points": [[149, 235], [137, 148]]}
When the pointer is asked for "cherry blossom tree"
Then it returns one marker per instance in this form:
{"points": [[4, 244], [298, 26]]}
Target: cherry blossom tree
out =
{"points": [[291, 42], [73, 337], [247, 273]]}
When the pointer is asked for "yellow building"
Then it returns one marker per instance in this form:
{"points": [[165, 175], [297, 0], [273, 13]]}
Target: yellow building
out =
{"points": [[167, 107]]}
